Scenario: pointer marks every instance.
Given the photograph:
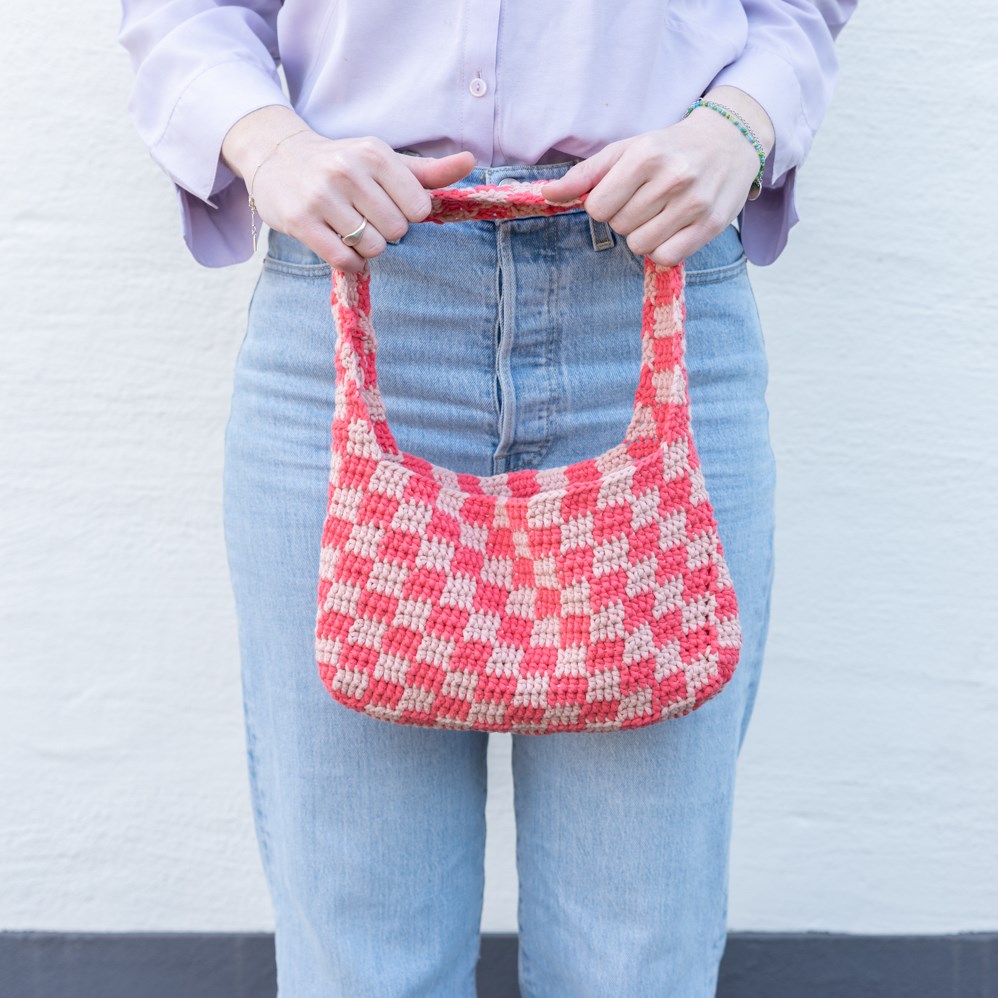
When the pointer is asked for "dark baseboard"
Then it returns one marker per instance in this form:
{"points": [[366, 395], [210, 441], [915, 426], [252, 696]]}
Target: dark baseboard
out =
{"points": [[755, 965]]}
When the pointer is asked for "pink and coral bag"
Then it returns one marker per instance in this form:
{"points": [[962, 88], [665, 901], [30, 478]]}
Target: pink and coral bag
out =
{"points": [[589, 597]]}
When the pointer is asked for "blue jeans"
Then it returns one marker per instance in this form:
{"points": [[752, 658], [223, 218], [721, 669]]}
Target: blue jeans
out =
{"points": [[501, 346]]}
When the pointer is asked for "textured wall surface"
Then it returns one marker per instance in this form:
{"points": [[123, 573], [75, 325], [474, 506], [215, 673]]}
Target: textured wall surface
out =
{"points": [[866, 800]]}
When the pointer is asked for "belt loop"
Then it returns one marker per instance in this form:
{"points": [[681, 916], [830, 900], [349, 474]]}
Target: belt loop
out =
{"points": [[602, 234]]}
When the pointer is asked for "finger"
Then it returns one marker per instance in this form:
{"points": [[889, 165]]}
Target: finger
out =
{"points": [[647, 202], [407, 180], [675, 217], [324, 241], [383, 216], [681, 245], [346, 210], [371, 241], [432, 171], [688, 221], [615, 191], [584, 176]]}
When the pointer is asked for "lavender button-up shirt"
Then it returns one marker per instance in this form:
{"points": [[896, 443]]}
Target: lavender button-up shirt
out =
{"points": [[513, 81]]}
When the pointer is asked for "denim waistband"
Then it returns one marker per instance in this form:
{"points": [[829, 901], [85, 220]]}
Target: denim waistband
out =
{"points": [[512, 171], [522, 172], [716, 260], [515, 172], [289, 249]]}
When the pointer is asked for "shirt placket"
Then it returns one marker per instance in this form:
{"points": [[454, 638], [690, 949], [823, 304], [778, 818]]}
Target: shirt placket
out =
{"points": [[479, 77]]}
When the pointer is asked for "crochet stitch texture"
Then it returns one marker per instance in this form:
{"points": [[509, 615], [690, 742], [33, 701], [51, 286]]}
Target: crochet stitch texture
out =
{"points": [[589, 597]]}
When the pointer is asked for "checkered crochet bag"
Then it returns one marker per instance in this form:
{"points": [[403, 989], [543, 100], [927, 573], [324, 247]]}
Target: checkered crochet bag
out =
{"points": [[589, 597]]}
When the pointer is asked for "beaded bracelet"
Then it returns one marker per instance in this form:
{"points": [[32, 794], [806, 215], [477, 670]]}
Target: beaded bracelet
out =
{"points": [[756, 189]]}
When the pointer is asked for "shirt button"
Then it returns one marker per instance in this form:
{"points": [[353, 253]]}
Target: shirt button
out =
{"points": [[478, 86]]}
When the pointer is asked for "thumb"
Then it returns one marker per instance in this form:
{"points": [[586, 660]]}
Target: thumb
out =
{"points": [[433, 172], [584, 176]]}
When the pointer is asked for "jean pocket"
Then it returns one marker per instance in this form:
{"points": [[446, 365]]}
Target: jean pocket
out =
{"points": [[719, 260], [286, 255], [722, 259]]}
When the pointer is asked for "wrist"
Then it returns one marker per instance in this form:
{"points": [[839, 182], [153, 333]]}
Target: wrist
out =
{"points": [[736, 116], [253, 137], [749, 110]]}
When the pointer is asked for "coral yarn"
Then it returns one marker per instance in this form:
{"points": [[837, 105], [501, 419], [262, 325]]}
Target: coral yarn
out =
{"points": [[589, 597]]}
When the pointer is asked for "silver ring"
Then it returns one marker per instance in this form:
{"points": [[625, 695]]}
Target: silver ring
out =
{"points": [[352, 238]]}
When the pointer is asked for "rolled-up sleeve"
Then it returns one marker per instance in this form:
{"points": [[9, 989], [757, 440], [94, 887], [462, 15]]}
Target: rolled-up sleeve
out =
{"points": [[199, 67], [789, 65]]}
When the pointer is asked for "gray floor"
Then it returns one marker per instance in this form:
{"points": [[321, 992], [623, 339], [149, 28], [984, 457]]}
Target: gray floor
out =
{"points": [[756, 965]]}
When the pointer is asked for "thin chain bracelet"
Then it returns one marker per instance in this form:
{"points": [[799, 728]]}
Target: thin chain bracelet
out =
{"points": [[732, 111], [252, 204], [756, 189]]}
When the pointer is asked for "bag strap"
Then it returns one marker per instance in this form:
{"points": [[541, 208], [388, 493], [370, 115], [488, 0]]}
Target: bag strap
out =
{"points": [[661, 400], [495, 202]]}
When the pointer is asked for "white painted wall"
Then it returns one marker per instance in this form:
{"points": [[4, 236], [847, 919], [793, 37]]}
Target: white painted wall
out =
{"points": [[867, 798]]}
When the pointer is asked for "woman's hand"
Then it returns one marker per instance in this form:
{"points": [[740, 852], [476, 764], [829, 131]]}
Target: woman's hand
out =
{"points": [[672, 190], [315, 189]]}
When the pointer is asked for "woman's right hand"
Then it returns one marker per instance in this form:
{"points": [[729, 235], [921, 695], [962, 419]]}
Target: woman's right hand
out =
{"points": [[314, 188]]}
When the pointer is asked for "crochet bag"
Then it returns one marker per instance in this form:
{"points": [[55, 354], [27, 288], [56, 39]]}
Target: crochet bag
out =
{"points": [[589, 597]]}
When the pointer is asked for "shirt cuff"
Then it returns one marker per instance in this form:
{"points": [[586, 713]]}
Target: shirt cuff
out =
{"points": [[218, 234], [771, 81], [189, 150], [765, 223]]}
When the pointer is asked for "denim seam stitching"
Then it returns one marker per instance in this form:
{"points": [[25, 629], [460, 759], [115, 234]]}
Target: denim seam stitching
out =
{"points": [[297, 269], [712, 275], [550, 410], [716, 274], [496, 341]]}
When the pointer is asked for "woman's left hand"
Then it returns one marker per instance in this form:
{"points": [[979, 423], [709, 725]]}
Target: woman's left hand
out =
{"points": [[671, 190]]}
